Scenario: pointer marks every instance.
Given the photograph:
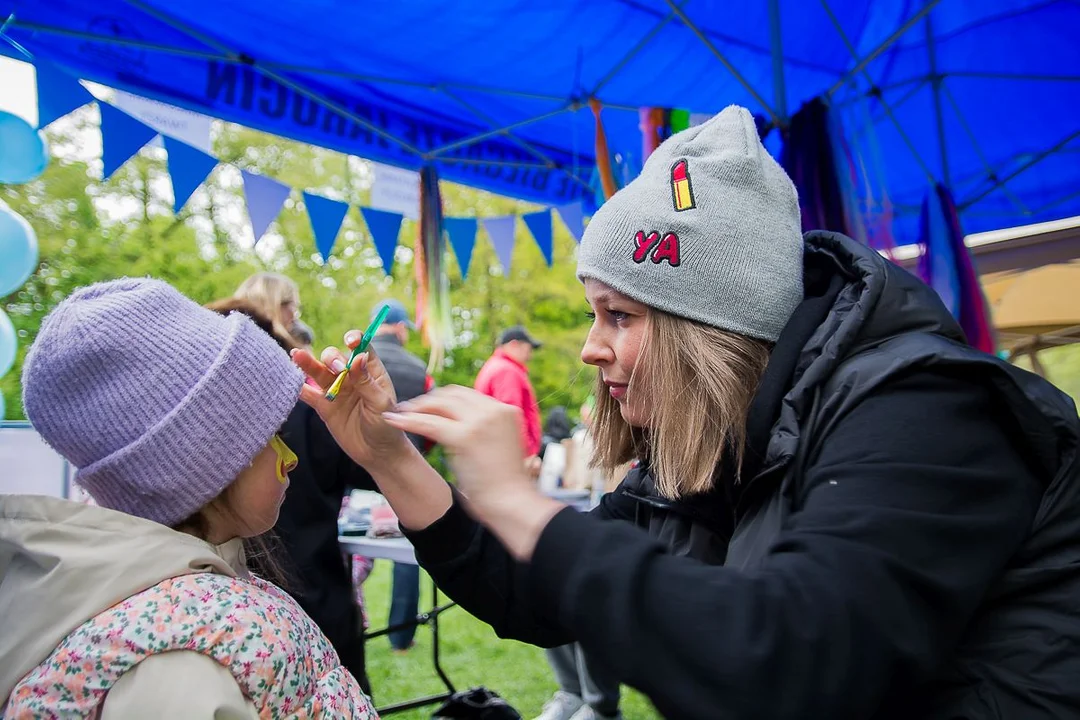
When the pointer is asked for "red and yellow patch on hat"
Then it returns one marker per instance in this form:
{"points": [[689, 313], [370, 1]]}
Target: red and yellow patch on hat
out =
{"points": [[682, 192]]}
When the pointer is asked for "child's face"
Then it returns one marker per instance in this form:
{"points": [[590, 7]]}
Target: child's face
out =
{"points": [[256, 496]]}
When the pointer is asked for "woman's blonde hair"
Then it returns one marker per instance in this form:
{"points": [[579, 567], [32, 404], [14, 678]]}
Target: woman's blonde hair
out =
{"points": [[699, 382], [270, 293]]}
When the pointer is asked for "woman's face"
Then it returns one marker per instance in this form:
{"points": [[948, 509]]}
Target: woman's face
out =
{"points": [[290, 312], [613, 345]]}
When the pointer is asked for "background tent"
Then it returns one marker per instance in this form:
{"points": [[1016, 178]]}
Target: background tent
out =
{"points": [[979, 96], [1036, 309]]}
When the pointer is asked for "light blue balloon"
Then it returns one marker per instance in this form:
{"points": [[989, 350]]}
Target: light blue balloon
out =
{"points": [[18, 250], [23, 155], [7, 343]]}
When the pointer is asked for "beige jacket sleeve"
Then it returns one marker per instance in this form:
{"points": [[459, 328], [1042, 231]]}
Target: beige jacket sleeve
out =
{"points": [[180, 685]]}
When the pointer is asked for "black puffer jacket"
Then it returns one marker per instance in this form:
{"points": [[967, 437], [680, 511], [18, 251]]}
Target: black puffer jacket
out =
{"points": [[905, 542]]}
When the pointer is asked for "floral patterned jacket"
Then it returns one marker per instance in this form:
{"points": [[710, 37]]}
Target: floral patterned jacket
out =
{"points": [[203, 644]]}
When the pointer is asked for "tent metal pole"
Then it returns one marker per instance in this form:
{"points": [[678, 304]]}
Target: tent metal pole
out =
{"points": [[861, 64], [998, 182], [939, 118], [283, 67], [885, 106], [381, 79], [723, 60], [122, 42], [1017, 203], [291, 84], [503, 130], [500, 163], [1028, 77], [776, 42], [518, 141], [916, 85], [1055, 203], [632, 53]]}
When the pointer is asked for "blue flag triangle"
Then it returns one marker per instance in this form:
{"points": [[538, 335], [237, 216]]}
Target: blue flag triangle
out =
{"points": [[462, 233], [57, 93], [573, 216], [121, 137], [326, 217], [501, 232], [188, 167], [264, 197], [539, 224], [384, 227]]}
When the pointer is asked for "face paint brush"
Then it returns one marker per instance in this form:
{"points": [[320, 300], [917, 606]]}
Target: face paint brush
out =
{"points": [[361, 347]]}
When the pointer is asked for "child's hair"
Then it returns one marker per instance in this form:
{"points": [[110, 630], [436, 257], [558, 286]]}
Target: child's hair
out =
{"points": [[270, 293], [701, 382], [263, 553]]}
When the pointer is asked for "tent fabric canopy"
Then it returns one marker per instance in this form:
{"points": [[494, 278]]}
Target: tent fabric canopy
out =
{"points": [[495, 94]]}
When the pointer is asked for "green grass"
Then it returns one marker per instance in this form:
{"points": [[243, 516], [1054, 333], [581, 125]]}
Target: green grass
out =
{"points": [[471, 655]]}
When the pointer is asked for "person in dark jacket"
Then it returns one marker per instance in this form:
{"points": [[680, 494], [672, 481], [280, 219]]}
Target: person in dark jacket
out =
{"points": [[556, 428], [841, 510], [410, 378], [307, 526]]}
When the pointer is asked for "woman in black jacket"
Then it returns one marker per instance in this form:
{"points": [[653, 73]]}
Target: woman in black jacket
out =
{"points": [[841, 510]]}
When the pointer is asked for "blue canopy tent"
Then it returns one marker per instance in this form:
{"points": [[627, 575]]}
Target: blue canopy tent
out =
{"points": [[980, 96]]}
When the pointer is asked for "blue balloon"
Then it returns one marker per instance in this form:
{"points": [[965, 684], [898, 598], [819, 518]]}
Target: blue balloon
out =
{"points": [[23, 155], [18, 250], [7, 344]]}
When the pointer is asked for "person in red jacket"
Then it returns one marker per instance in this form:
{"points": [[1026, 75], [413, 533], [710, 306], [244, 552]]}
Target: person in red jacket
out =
{"points": [[505, 377]]}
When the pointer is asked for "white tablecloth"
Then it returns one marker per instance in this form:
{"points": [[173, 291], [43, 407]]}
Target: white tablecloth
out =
{"points": [[396, 549]]}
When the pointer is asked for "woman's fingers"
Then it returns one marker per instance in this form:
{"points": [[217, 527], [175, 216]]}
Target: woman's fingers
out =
{"points": [[439, 429], [353, 338], [453, 402], [454, 416], [372, 363], [334, 360], [314, 398], [314, 369]]}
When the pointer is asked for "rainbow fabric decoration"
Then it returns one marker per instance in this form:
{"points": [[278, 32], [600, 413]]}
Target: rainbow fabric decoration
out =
{"points": [[433, 289], [946, 266]]}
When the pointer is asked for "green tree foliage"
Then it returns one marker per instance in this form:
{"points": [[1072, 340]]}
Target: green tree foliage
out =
{"points": [[89, 231]]}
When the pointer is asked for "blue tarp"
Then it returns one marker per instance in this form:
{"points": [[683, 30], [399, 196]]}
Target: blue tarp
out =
{"points": [[423, 81]]}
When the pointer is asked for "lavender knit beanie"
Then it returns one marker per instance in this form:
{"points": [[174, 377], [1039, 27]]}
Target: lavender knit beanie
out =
{"points": [[158, 402]]}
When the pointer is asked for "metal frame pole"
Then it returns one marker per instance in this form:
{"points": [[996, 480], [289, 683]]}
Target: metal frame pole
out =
{"points": [[723, 60], [776, 42], [910, 23], [935, 83]]}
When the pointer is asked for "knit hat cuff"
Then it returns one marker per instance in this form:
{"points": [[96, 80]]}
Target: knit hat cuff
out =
{"points": [[206, 440]]}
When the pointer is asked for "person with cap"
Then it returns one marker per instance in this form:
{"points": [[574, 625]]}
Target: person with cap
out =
{"points": [[143, 605], [410, 377], [841, 509], [505, 377]]}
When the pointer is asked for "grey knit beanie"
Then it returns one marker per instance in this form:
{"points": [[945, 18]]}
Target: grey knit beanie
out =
{"points": [[709, 231], [158, 402]]}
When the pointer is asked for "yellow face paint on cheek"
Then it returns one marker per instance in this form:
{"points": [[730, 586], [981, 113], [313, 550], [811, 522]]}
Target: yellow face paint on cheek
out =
{"points": [[286, 458]]}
